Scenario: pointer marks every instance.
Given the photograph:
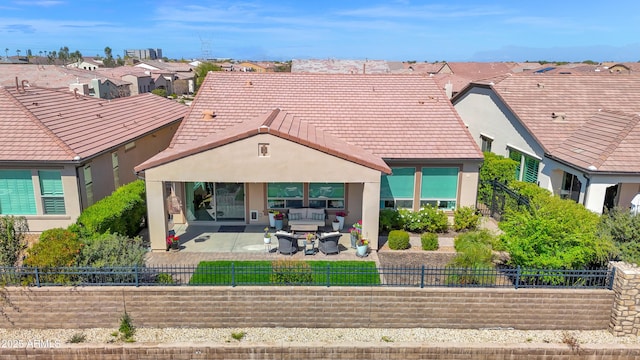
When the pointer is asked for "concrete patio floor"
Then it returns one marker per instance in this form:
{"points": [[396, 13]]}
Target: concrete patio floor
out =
{"points": [[206, 242]]}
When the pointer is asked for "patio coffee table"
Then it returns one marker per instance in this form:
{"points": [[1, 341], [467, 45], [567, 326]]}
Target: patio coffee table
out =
{"points": [[303, 227]]}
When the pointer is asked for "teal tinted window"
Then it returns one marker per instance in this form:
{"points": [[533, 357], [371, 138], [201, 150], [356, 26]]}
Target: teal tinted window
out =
{"points": [[398, 185], [52, 192], [16, 193], [439, 183]]}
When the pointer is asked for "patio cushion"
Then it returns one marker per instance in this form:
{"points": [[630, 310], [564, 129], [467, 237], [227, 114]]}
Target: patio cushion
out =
{"points": [[295, 216], [315, 216], [302, 212]]}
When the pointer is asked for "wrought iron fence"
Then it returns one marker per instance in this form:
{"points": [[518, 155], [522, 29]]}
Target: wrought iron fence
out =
{"points": [[494, 197], [265, 275]]}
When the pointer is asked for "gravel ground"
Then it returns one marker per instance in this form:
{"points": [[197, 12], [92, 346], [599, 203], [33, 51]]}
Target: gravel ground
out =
{"points": [[60, 337]]}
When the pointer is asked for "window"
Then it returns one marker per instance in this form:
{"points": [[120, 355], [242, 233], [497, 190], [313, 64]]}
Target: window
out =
{"points": [[439, 188], [52, 192], [528, 166], [116, 170], [88, 184], [285, 195], [486, 143], [16, 193], [570, 187], [326, 195], [396, 190]]}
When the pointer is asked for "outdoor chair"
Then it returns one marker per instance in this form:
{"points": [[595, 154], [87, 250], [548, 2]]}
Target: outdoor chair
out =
{"points": [[328, 242], [287, 243]]}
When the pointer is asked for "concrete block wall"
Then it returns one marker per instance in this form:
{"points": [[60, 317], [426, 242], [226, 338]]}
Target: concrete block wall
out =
{"points": [[625, 315], [367, 307]]}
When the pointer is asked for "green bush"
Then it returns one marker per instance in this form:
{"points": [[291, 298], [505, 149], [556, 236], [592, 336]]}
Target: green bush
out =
{"points": [[624, 229], [164, 278], [55, 248], [389, 220], [126, 329], [429, 241], [12, 239], [555, 234], [398, 240], [465, 218], [112, 250], [427, 219], [291, 272], [494, 167], [473, 263], [121, 212]]}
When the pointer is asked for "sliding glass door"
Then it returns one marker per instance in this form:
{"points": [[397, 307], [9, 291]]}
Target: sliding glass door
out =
{"points": [[207, 201]]}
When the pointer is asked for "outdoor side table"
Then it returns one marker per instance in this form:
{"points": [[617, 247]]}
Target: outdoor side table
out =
{"points": [[309, 247]]}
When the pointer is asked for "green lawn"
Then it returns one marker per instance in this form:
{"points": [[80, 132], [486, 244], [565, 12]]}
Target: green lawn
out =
{"points": [[323, 273]]}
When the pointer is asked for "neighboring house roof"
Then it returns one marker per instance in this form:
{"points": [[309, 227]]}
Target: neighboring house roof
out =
{"points": [[50, 76], [120, 71], [335, 66], [166, 66], [390, 116], [608, 141], [553, 106], [57, 125], [280, 124]]}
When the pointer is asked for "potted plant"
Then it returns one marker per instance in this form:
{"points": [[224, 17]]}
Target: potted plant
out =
{"points": [[278, 217], [310, 237], [356, 233], [173, 242], [340, 215], [361, 247], [272, 218], [336, 225], [267, 236]]}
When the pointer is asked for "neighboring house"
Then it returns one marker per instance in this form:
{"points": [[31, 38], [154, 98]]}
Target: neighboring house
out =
{"points": [[274, 141], [575, 135], [179, 77], [84, 82], [87, 64], [249, 66], [61, 151], [140, 79]]}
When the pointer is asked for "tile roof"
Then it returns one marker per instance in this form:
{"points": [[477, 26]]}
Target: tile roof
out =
{"points": [[608, 141], [337, 66], [280, 124], [390, 116], [574, 98], [50, 76], [56, 125]]}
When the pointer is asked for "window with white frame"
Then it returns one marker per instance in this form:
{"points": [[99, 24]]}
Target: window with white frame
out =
{"points": [[52, 192], [527, 169], [326, 195], [88, 184], [397, 189], [439, 187], [285, 195], [486, 143]]}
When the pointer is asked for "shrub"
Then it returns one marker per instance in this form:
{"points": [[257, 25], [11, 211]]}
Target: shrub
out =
{"points": [[555, 234], [427, 219], [473, 263], [112, 250], [465, 218], [126, 329], [398, 240], [164, 278], [12, 239], [121, 212], [291, 272], [389, 220], [429, 241], [494, 167], [624, 229], [55, 248]]}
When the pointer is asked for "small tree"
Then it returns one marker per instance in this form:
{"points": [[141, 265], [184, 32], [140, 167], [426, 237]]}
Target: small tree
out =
{"points": [[624, 229], [12, 239]]}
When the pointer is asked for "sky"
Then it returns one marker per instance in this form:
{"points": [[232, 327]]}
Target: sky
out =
{"points": [[393, 30]]}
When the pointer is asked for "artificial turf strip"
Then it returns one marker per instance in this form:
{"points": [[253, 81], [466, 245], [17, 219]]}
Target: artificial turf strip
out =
{"points": [[351, 273]]}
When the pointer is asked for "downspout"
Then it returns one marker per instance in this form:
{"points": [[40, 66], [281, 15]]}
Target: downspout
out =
{"points": [[586, 188]]}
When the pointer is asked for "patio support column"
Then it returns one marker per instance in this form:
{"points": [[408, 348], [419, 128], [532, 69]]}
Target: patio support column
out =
{"points": [[594, 197], [371, 212], [156, 215]]}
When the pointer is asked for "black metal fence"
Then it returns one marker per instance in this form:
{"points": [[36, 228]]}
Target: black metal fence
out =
{"points": [[265, 275], [494, 197]]}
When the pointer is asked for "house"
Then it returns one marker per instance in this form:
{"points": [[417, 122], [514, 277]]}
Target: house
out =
{"points": [[140, 79], [573, 134], [175, 77], [87, 64], [63, 151], [254, 142], [84, 82]]}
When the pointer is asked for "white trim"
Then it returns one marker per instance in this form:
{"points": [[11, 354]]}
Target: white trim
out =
{"points": [[487, 136], [524, 152]]}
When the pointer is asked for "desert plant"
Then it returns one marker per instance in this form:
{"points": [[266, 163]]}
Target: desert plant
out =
{"points": [[112, 250], [126, 329], [429, 241], [398, 240], [12, 239], [465, 218], [77, 338], [291, 272], [238, 335]]}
